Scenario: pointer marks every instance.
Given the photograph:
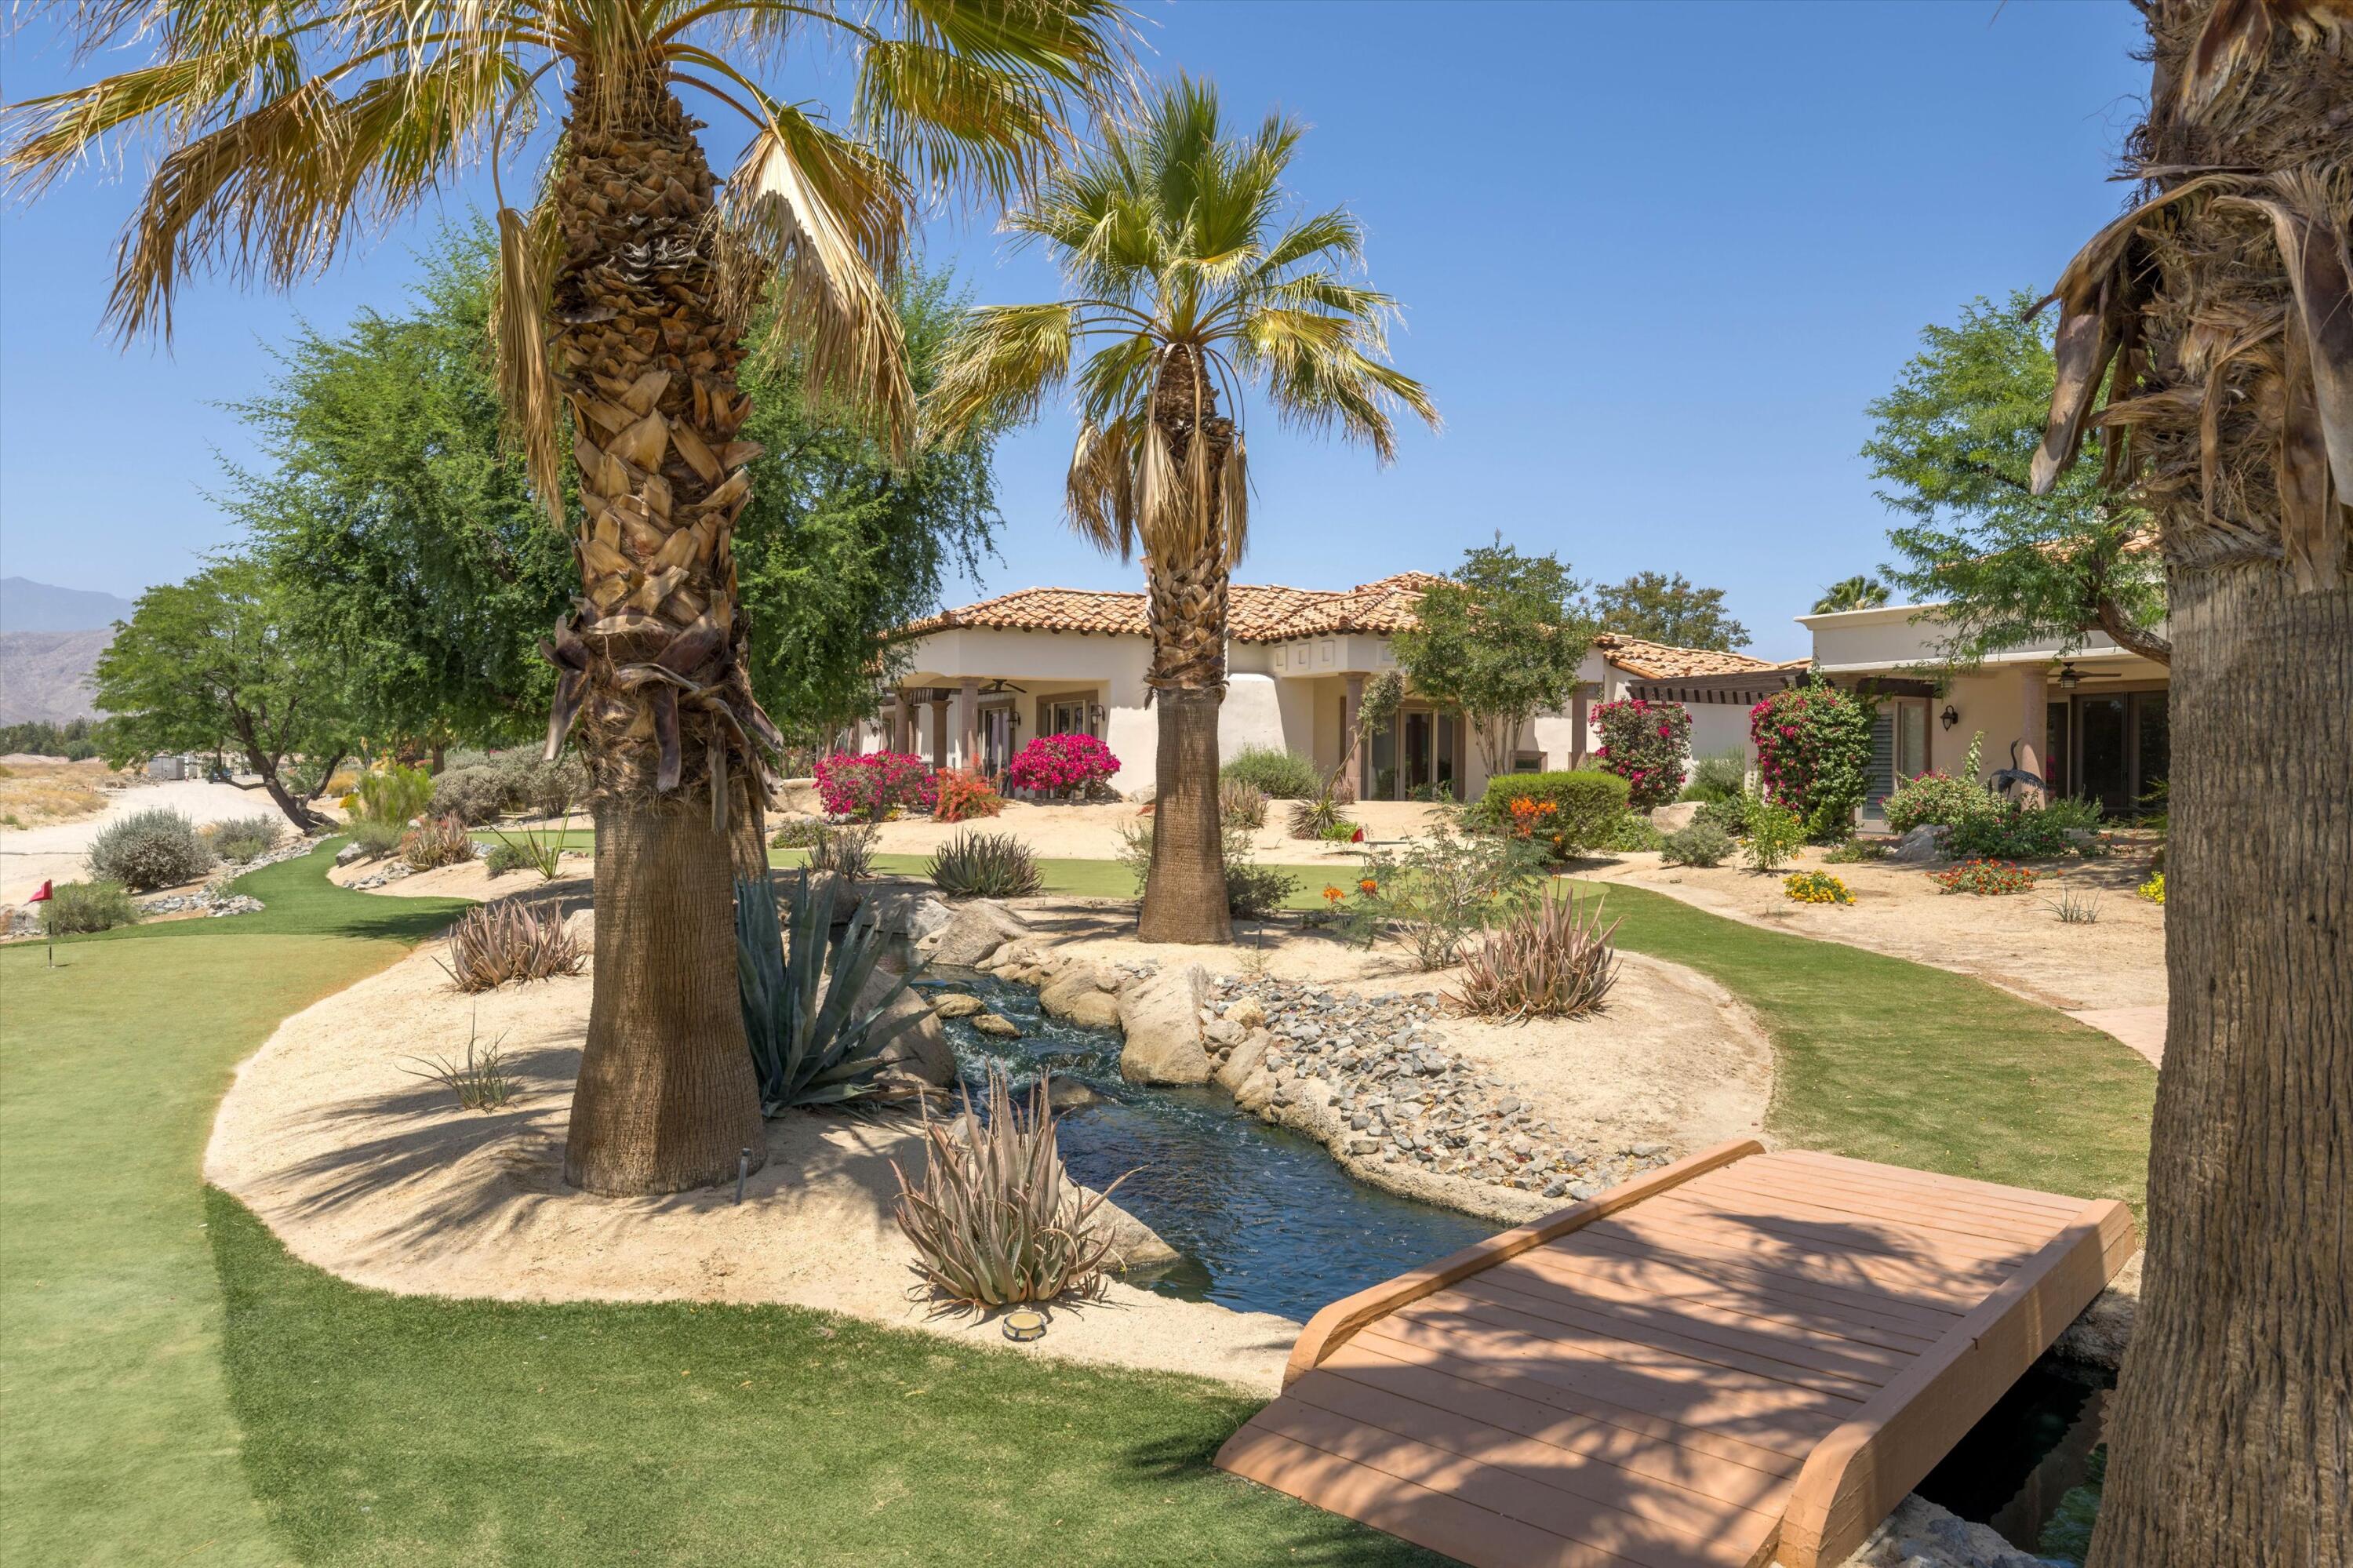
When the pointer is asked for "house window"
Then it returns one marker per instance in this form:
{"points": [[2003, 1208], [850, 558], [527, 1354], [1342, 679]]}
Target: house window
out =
{"points": [[1070, 715]]}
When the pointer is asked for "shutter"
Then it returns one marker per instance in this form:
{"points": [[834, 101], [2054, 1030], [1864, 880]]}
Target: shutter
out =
{"points": [[1882, 759]]}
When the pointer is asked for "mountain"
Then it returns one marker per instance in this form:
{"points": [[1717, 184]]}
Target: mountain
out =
{"points": [[46, 674], [29, 606]]}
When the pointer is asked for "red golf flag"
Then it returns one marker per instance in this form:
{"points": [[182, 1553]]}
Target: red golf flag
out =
{"points": [[40, 897]]}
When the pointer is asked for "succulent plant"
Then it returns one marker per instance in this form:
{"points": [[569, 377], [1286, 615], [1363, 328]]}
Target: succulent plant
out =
{"points": [[808, 1038], [985, 865]]}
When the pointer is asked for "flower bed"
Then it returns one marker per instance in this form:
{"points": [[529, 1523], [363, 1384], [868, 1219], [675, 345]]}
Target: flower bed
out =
{"points": [[1816, 887], [1987, 878]]}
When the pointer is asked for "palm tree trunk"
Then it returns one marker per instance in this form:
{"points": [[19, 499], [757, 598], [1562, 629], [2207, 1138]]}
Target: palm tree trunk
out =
{"points": [[2233, 1435], [1185, 605], [643, 354]]}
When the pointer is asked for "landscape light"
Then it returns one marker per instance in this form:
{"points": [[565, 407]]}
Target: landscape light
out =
{"points": [[1025, 1325]]}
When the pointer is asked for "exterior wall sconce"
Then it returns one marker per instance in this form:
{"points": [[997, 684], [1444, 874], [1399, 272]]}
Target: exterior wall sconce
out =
{"points": [[1948, 719]]}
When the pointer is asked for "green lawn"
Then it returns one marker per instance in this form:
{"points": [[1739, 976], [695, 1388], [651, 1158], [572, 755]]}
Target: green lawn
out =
{"points": [[1885, 1059], [179, 1390]]}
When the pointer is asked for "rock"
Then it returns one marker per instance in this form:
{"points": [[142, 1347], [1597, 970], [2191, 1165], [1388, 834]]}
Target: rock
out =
{"points": [[1919, 1535], [1068, 1094], [1675, 817], [1139, 1246], [908, 1037], [974, 931], [1073, 989], [1161, 1017], [2105, 1327], [1249, 1013], [913, 913], [1922, 843], [1223, 1031], [997, 1024], [957, 1004], [1246, 1059], [1095, 1010], [1256, 1092], [350, 852]]}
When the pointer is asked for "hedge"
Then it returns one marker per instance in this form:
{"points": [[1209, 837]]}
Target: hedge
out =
{"points": [[1586, 806]]}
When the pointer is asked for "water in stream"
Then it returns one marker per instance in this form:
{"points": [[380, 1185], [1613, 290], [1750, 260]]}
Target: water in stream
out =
{"points": [[1267, 1220]]}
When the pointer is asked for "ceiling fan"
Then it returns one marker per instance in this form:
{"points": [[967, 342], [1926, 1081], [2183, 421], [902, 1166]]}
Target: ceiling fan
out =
{"points": [[2071, 677]]}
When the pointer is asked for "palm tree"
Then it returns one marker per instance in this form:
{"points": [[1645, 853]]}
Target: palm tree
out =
{"points": [[1187, 262], [2219, 315], [289, 126], [1852, 593]]}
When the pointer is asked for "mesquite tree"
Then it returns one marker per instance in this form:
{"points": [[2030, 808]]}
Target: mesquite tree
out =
{"points": [[2218, 311], [627, 281], [1185, 260]]}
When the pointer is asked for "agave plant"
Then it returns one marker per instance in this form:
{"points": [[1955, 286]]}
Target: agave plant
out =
{"points": [[997, 1220], [985, 865], [1555, 961], [808, 1038], [493, 944]]}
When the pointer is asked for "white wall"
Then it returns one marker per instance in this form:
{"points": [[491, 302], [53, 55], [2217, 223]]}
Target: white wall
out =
{"points": [[1250, 715]]}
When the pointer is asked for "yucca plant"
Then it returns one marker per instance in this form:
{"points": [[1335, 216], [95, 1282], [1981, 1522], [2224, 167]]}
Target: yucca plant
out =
{"points": [[808, 1037], [436, 841], [1554, 961], [846, 852], [480, 1082], [997, 1220], [985, 865], [495, 943], [540, 848], [1191, 274]]}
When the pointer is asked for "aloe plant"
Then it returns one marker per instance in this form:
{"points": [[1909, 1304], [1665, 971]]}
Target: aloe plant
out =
{"points": [[808, 1039]]}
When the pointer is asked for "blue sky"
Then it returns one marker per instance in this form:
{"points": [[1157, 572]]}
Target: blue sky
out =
{"points": [[1654, 260]]}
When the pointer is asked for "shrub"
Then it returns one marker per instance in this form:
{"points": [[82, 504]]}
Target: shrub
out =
{"points": [[1986, 878], [1062, 765], [1728, 816], [1702, 843], [1718, 777], [536, 849], [1319, 817], [2153, 889], [2076, 813], [1241, 802], [1643, 743], [1584, 806], [1274, 772], [241, 839], [1775, 833], [846, 852], [436, 841], [1632, 833], [480, 1082], [959, 794], [151, 849], [553, 788], [392, 794], [376, 840], [868, 786], [1854, 852], [77, 906], [1252, 891], [2077, 908], [2010, 830], [494, 944], [1441, 890], [985, 865], [808, 1037], [473, 795], [504, 856], [1815, 887], [798, 833], [1813, 755], [1548, 963], [998, 1219]]}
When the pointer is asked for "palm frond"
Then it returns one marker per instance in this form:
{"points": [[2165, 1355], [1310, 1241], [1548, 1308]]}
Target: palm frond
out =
{"points": [[527, 254], [998, 366], [1098, 495]]}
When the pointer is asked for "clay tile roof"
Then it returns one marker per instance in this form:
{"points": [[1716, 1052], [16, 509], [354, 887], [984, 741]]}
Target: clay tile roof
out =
{"points": [[1044, 610], [1657, 662]]}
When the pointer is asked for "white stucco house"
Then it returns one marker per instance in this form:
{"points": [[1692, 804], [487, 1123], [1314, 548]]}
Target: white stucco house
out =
{"points": [[2092, 723], [985, 678]]}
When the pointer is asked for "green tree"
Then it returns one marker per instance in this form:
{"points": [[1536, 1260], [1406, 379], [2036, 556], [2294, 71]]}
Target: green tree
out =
{"points": [[289, 128], [1499, 641], [1954, 443], [1188, 263], [1657, 608], [208, 666], [1857, 592]]}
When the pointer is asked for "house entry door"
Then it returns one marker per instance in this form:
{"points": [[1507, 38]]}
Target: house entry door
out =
{"points": [[996, 738]]}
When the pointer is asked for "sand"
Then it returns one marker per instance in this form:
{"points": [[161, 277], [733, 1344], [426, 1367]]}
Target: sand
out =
{"points": [[29, 856]]}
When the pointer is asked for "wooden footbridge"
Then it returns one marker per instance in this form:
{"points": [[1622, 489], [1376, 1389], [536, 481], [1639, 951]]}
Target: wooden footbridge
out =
{"points": [[1741, 1358]]}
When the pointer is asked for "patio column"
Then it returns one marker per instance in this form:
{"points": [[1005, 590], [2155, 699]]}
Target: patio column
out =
{"points": [[939, 727], [968, 722], [1352, 703], [2034, 723]]}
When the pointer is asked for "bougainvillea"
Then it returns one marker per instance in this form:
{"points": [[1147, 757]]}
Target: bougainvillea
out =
{"points": [[1062, 764], [1645, 743], [868, 786], [1813, 755]]}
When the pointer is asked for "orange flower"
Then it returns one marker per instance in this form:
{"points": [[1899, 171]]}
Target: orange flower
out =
{"points": [[1368, 887], [1333, 895]]}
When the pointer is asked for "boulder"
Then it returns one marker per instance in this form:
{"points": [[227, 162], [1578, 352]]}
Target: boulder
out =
{"points": [[1162, 1018], [1139, 1246], [1003, 1028], [913, 913], [1094, 1010], [350, 852], [1068, 1094], [1922, 843], [1081, 993], [957, 1004], [1236, 1069], [1222, 1034], [908, 1037], [1248, 1012], [1676, 816], [974, 931]]}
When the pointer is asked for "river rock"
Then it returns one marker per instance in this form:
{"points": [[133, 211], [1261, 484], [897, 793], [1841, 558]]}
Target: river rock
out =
{"points": [[1236, 1069], [1068, 1094], [1920, 1534], [1162, 1018], [911, 911], [908, 1037], [996, 1023], [975, 930], [1081, 994], [1674, 817], [1246, 1014], [957, 1004], [1922, 843]]}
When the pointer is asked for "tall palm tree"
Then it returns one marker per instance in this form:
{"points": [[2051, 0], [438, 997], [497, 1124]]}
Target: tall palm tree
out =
{"points": [[286, 127], [1190, 268], [1852, 593], [2219, 313]]}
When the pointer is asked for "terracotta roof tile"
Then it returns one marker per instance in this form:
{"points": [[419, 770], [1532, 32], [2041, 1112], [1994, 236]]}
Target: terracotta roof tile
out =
{"points": [[1658, 661]]}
